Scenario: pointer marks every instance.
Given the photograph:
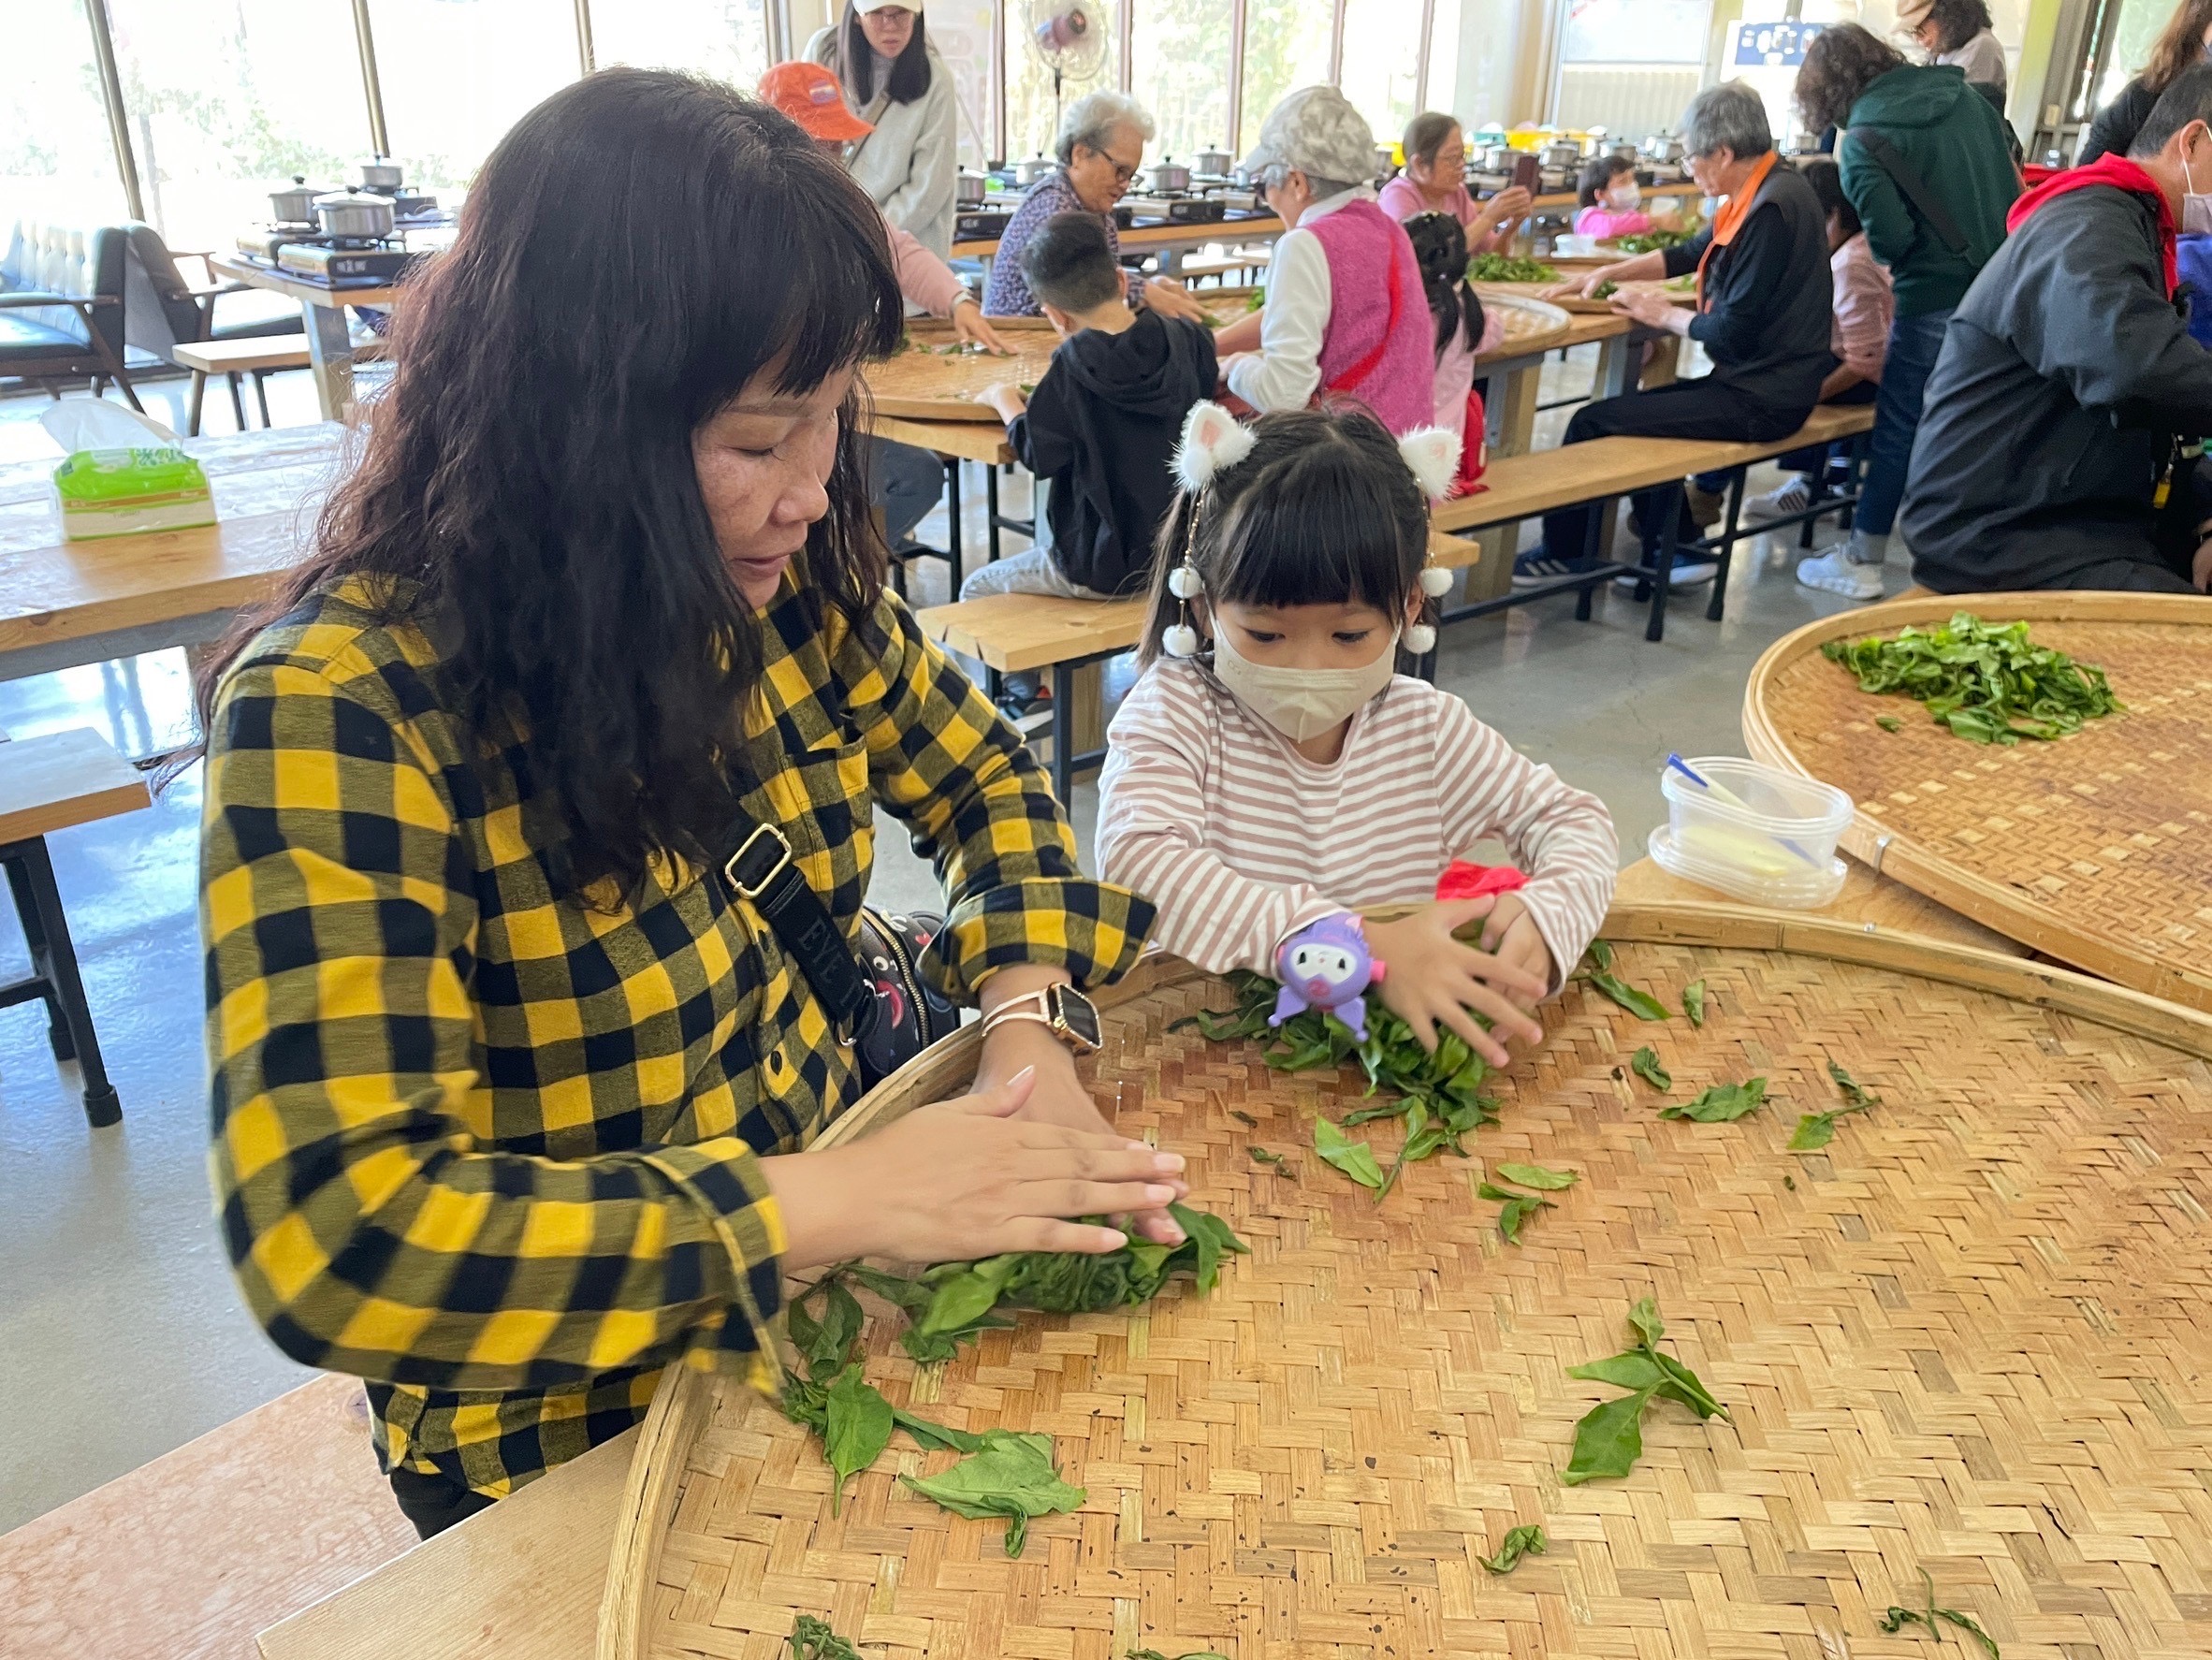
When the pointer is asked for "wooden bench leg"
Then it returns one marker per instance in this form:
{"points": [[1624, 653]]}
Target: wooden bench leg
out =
{"points": [[956, 544], [238, 405], [1729, 532], [55, 977], [199, 397], [261, 395], [1669, 508]]}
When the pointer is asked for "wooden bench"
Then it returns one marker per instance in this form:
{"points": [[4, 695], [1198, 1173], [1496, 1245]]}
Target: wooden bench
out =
{"points": [[1598, 472], [46, 784], [258, 357]]}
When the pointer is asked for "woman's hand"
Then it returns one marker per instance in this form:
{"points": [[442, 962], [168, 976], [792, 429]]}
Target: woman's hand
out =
{"points": [[974, 329], [1510, 934], [964, 1179], [1434, 979], [1170, 298], [1507, 209], [1653, 310]]}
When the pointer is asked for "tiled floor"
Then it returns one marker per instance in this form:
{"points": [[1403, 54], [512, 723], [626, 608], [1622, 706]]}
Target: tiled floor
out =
{"points": [[121, 1337]]}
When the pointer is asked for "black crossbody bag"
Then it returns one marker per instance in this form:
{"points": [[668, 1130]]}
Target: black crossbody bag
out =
{"points": [[882, 1007], [1912, 187]]}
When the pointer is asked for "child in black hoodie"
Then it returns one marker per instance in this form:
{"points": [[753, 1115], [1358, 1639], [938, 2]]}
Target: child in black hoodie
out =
{"points": [[1101, 426]]}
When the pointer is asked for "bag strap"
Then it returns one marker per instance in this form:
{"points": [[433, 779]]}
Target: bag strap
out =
{"points": [[1913, 188], [756, 865]]}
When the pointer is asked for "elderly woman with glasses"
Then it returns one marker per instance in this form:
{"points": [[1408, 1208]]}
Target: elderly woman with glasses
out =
{"points": [[1100, 146], [1765, 304]]}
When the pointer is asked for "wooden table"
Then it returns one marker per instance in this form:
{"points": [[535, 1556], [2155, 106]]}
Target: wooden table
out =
{"points": [[1168, 240], [330, 346], [68, 602]]}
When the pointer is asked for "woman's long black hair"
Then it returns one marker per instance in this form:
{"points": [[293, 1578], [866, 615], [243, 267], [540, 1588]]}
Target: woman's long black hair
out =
{"points": [[1440, 243], [639, 247], [1323, 512], [910, 71]]}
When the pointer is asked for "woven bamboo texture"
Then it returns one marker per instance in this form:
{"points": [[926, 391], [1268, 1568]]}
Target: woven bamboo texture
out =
{"points": [[2096, 848], [927, 382], [1968, 1337]]}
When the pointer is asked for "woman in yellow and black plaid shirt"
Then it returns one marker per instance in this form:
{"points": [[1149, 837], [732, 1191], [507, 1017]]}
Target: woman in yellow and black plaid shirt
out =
{"points": [[506, 1082]]}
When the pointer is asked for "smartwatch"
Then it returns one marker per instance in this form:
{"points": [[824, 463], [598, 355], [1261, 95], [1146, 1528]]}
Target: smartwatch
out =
{"points": [[1061, 1009]]}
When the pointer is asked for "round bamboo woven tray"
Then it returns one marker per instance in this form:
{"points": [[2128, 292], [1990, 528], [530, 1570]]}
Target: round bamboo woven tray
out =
{"points": [[1530, 323], [927, 383], [1970, 1337], [1574, 304], [2096, 848]]}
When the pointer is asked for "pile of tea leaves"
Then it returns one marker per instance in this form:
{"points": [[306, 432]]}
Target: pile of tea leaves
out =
{"points": [[1509, 267], [1987, 682]]}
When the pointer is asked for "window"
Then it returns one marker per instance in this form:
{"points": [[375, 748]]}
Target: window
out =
{"points": [[725, 38], [1032, 111], [1180, 72], [457, 73], [229, 99], [1636, 31], [1382, 65], [57, 161], [1285, 47]]}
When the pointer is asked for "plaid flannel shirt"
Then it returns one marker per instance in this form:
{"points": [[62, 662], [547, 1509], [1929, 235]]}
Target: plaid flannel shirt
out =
{"points": [[496, 1150]]}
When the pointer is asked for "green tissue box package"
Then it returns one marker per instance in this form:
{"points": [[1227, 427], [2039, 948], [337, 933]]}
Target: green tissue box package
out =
{"points": [[123, 492]]}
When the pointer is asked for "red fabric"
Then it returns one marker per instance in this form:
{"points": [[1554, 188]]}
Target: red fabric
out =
{"points": [[2122, 174], [1462, 880], [1474, 448]]}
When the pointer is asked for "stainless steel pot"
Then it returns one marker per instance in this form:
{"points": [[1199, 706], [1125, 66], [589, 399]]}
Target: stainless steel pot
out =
{"points": [[1497, 158], [1213, 163], [1166, 176], [1386, 161], [969, 189], [381, 176], [295, 205], [354, 213], [1563, 153], [1028, 172]]}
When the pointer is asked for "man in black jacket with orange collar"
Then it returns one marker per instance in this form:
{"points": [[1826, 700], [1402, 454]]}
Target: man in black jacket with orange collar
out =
{"points": [[2057, 446]]}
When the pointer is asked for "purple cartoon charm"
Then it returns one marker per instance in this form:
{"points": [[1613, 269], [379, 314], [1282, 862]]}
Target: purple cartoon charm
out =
{"points": [[1325, 966]]}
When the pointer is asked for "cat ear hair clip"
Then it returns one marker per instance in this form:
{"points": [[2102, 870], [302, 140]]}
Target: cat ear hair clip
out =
{"points": [[1432, 455], [1212, 440]]}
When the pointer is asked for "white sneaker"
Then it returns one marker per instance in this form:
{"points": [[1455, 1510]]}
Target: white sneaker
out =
{"points": [[1833, 573], [1792, 497]]}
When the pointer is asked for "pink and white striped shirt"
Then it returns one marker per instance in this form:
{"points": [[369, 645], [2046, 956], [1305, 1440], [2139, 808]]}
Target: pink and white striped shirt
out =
{"points": [[1210, 813]]}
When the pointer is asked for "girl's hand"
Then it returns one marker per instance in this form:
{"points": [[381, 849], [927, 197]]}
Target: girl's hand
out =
{"points": [[1434, 979], [1510, 934], [1006, 399], [964, 1179], [1057, 1097]]}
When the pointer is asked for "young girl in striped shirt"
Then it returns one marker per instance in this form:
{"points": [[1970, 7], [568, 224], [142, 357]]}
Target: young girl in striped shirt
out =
{"points": [[1271, 768]]}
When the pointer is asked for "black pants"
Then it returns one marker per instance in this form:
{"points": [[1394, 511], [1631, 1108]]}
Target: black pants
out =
{"points": [[433, 1504], [1686, 409], [1814, 457], [2127, 575]]}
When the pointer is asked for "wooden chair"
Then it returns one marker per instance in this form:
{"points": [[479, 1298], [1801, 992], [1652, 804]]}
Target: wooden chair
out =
{"points": [[46, 784]]}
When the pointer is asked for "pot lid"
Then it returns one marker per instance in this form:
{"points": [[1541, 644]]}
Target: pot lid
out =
{"points": [[352, 199]]}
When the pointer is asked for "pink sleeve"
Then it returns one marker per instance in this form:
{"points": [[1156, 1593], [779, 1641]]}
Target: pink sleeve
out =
{"points": [[1562, 837], [1602, 223], [1151, 836], [1864, 305], [1400, 199], [925, 279]]}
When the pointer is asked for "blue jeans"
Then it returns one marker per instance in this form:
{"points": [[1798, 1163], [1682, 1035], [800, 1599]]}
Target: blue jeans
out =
{"points": [[1913, 345], [905, 482]]}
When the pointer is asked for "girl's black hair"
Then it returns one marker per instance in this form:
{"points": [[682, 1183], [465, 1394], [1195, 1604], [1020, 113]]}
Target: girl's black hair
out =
{"points": [[1599, 174], [1323, 512], [1958, 21], [1440, 243], [1827, 180], [635, 251], [910, 70]]}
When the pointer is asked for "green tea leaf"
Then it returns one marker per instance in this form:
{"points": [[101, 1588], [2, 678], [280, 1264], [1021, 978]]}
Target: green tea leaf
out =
{"points": [[1520, 1542], [908, 1295], [1897, 1619], [1262, 1155], [1535, 1175], [1194, 1655], [1244, 1119], [1644, 1063], [936, 1437], [1815, 1131], [1355, 1158], [1509, 267], [1693, 1001], [1889, 723], [1601, 955], [1013, 1476], [1643, 1314], [1987, 682], [858, 1430], [1860, 1098], [1641, 1004], [1685, 1386], [1632, 1370], [1518, 1211], [812, 1640], [1211, 1238], [1723, 1103], [1608, 1440]]}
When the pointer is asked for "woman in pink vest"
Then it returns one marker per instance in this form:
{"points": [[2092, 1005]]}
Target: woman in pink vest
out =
{"points": [[1347, 316]]}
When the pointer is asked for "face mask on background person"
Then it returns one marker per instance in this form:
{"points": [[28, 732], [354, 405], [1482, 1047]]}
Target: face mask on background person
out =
{"points": [[2196, 211], [1301, 702], [1624, 198]]}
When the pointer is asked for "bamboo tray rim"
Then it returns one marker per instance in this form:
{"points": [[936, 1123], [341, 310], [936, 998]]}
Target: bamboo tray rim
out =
{"points": [[684, 1400], [1891, 852]]}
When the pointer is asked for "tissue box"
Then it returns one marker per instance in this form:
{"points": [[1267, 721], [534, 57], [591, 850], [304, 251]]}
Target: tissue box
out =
{"points": [[122, 492]]}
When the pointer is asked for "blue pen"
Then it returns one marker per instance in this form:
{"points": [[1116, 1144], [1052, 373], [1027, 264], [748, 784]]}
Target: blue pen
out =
{"points": [[1720, 793]]}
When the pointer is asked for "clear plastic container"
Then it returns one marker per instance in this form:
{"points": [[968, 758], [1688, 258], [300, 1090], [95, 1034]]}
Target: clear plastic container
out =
{"points": [[1760, 834]]}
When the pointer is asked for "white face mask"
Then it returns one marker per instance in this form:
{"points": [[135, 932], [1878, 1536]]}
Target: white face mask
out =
{"points": [[2196, 211], [1299, 703], [1624, 198]]}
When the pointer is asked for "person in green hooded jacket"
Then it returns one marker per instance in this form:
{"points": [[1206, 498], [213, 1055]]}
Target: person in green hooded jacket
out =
{"points": [[1926, 168]]}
